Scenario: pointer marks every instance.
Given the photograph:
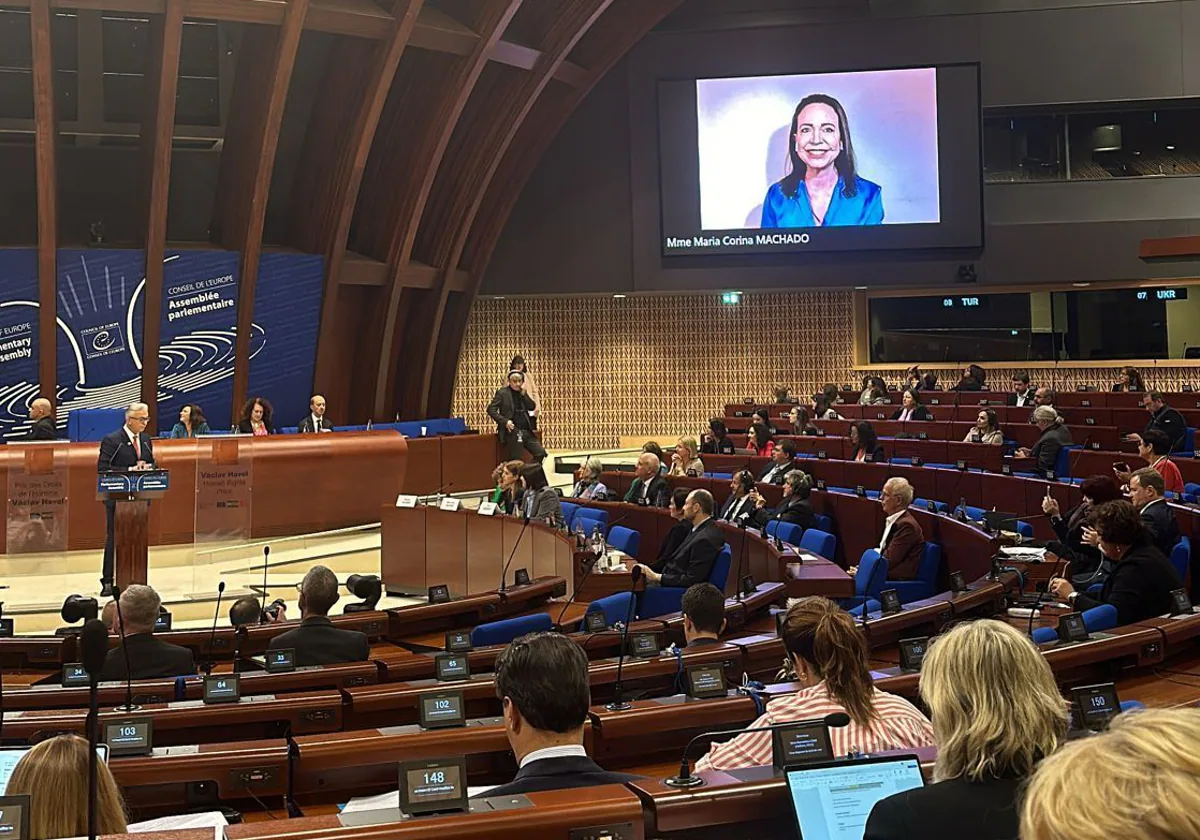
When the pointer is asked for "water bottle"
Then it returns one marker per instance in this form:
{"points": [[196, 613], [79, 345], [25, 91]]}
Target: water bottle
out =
{"points": [[598, 544]]}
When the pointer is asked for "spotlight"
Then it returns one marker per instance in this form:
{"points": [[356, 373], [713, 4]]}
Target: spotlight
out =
{"points": [[367, 587], [77, 608]]}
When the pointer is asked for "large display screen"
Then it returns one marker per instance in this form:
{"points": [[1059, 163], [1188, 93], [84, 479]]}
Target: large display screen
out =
{"points": [[871, 160]]}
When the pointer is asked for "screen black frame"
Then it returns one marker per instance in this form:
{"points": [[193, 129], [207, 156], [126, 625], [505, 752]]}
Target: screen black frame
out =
{"points": [[889, 602], [457, 805], [118, 751], [464, 646], [275, 668], [23, 802], [425, 723], [590, 619], [779, 754], [76, 683], [235, 697], [705, 694], [1079, 693], [905, 646], [439, 667]]}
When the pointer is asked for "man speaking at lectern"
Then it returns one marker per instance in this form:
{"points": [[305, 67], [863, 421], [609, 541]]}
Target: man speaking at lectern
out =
{"points": [[128, 448]]}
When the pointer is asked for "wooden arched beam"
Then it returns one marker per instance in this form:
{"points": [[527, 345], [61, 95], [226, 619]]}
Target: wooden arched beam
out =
{"points": [[392, 206], [45, 157], [264, 74], [445, 227], [337, 143], [613, 36], [158, 130]]}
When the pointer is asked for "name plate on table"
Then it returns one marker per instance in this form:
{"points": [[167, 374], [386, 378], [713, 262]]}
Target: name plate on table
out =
{"points": [[487, 508], [450, 503], [138, 481], [406, 501]]}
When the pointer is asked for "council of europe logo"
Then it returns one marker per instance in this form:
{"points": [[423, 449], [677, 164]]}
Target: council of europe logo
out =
{"points": [[102, 341]]}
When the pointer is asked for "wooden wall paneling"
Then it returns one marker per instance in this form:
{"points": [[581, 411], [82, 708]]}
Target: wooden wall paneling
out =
{"points": [[252, 136], [605, 43], [337, 144], [45, 155], [158, 128], [412, 144], [443, 233]]}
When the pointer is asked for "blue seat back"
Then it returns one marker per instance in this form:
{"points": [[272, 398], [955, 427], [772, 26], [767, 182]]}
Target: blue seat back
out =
{"points": [[923, 504], [819, 542], [1097, 619], [1181, 557], [616, 608], [503, 632], [591, 517], [568, 509], [790, 532], [1042, 635], [1189, 441], [719, 576], [871, 575], [1062, 464], [823, 523], [625, 540]]}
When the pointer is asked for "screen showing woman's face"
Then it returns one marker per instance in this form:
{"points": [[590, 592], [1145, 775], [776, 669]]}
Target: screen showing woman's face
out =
{"points": [[818, 136]]}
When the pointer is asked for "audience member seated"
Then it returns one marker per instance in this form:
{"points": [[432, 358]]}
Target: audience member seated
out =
{"points": [[929, 382], [247, 611], [1136, 781], [1146, 494], [865, 442], [830, 657], [316, 641], [542, 683], [588, 484], [149, 658], [911, 407], [540, 502], [1054, 437], [801, 421], [761, 415], [255, 418], [996, 714], [510, 488], [875, 392], [903, 541], [821, 409], [41, 415], [315, 421], [1154, 447], [759, 440], [191, 423], [1088, 565], [109, 616], [654, 449], [1142, 579], [703, 611], [680, 531], [717, 441], [1164, 418], [649, 487], [1044, 396], [973, 379], [783, 461], [986, 429], [1023, 393], [794, 508], [1131, 380], [913, 378], [54, 775], [684, 460], [692, 562], [740, 505]]}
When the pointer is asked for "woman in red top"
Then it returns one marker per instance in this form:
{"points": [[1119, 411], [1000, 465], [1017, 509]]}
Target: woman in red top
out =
{"points": [[759, 440], [1155, 447]]}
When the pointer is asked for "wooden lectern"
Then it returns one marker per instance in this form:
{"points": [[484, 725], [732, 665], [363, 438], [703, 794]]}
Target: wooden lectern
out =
{"points": [[132, 492]]}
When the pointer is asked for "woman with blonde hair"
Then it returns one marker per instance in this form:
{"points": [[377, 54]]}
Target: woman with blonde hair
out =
{"points": [[685, 460], [54, 774], [1140, 780], [830, 657], [996, 713]]}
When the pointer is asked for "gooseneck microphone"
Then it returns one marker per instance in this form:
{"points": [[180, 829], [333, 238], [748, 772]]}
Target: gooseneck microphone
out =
{"points": [[208, 663], [93, 647], [262, 617], [688, 779], [619, 704], [504, 572], [128, 707]]}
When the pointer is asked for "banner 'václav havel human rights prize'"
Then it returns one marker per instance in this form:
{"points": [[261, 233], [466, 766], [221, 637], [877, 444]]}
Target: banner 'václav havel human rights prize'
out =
{"points": [[100, 297]]}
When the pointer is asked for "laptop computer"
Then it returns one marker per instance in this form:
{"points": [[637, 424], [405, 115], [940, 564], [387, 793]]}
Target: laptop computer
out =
{"points": [[832, 800]]}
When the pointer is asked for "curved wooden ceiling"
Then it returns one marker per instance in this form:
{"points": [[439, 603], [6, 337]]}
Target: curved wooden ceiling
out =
{"points": [[428, 119]]}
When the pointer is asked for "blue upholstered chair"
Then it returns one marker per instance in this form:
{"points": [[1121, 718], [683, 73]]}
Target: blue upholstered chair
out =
{"points": [[503, 632], [568, 509], [591, 519], [660, 600], [1181, 557], [869, 581], [823, 523], [616, 608], [924, 584], [1096, 620], [625, 540], [819, 542]]}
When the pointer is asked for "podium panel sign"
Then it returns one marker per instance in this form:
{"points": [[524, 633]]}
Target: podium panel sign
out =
{"points": [[36, 518], [224, 481]]}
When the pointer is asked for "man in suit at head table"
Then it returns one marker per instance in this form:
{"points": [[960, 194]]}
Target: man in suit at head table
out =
{"points": [[314, 422], [41, 414], [316, 641], [149, 658], [128, 448], [542, 683]]}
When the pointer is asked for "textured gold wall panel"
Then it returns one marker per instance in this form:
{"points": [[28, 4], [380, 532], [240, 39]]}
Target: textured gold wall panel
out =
{"points": [[607, 367]]}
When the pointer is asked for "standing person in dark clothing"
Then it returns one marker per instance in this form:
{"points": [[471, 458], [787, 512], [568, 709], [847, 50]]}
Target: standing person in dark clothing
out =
{"points": [[512, 409], [1164, 418]]}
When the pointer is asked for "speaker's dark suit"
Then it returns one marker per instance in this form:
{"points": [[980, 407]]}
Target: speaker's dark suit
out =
{"points": [[149, 658], [658, 494], [317, 642], [952, 809], [793, 509], [1139, 587], [559, 774], [117, 453], [507, 405], [1160, 522], [693, 561], [736, 509], [43, 429], [308, 427]]}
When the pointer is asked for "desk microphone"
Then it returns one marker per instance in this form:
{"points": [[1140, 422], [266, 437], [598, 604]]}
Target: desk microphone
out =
{"points": [[262, 617], [619, 704], [240, 634], [208, 664], [504, 572], [128, 707], [687, 779], [1072, 463], [438, 492], [1037, 602], [93, 650]]}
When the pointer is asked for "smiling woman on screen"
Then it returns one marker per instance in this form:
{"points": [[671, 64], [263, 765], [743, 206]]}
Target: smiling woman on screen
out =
{"points": [[822, 188]]}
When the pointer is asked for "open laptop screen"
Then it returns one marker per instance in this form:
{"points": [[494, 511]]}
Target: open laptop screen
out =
{"points": [[831, 801]]}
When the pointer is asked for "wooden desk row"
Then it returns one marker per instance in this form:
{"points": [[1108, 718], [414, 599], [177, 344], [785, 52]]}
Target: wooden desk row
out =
{"points": [[1064, 399]]}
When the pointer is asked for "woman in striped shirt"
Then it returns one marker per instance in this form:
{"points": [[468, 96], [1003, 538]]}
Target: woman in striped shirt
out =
{"points": [[829, 655]]}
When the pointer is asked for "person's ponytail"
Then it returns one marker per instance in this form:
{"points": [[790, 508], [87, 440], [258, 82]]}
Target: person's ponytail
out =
{"points": [[822, 634]]}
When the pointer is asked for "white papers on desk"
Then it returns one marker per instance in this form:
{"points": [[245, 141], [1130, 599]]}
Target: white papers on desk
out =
{"points": [[391, 801], [1023, 554], [208, 819]]}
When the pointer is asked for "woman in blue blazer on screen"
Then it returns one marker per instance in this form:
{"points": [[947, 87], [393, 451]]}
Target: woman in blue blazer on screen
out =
{"points": [[822, 189]]}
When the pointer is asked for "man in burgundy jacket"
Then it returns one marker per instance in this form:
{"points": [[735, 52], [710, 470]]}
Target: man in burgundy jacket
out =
{"points": [[903, 541]]}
